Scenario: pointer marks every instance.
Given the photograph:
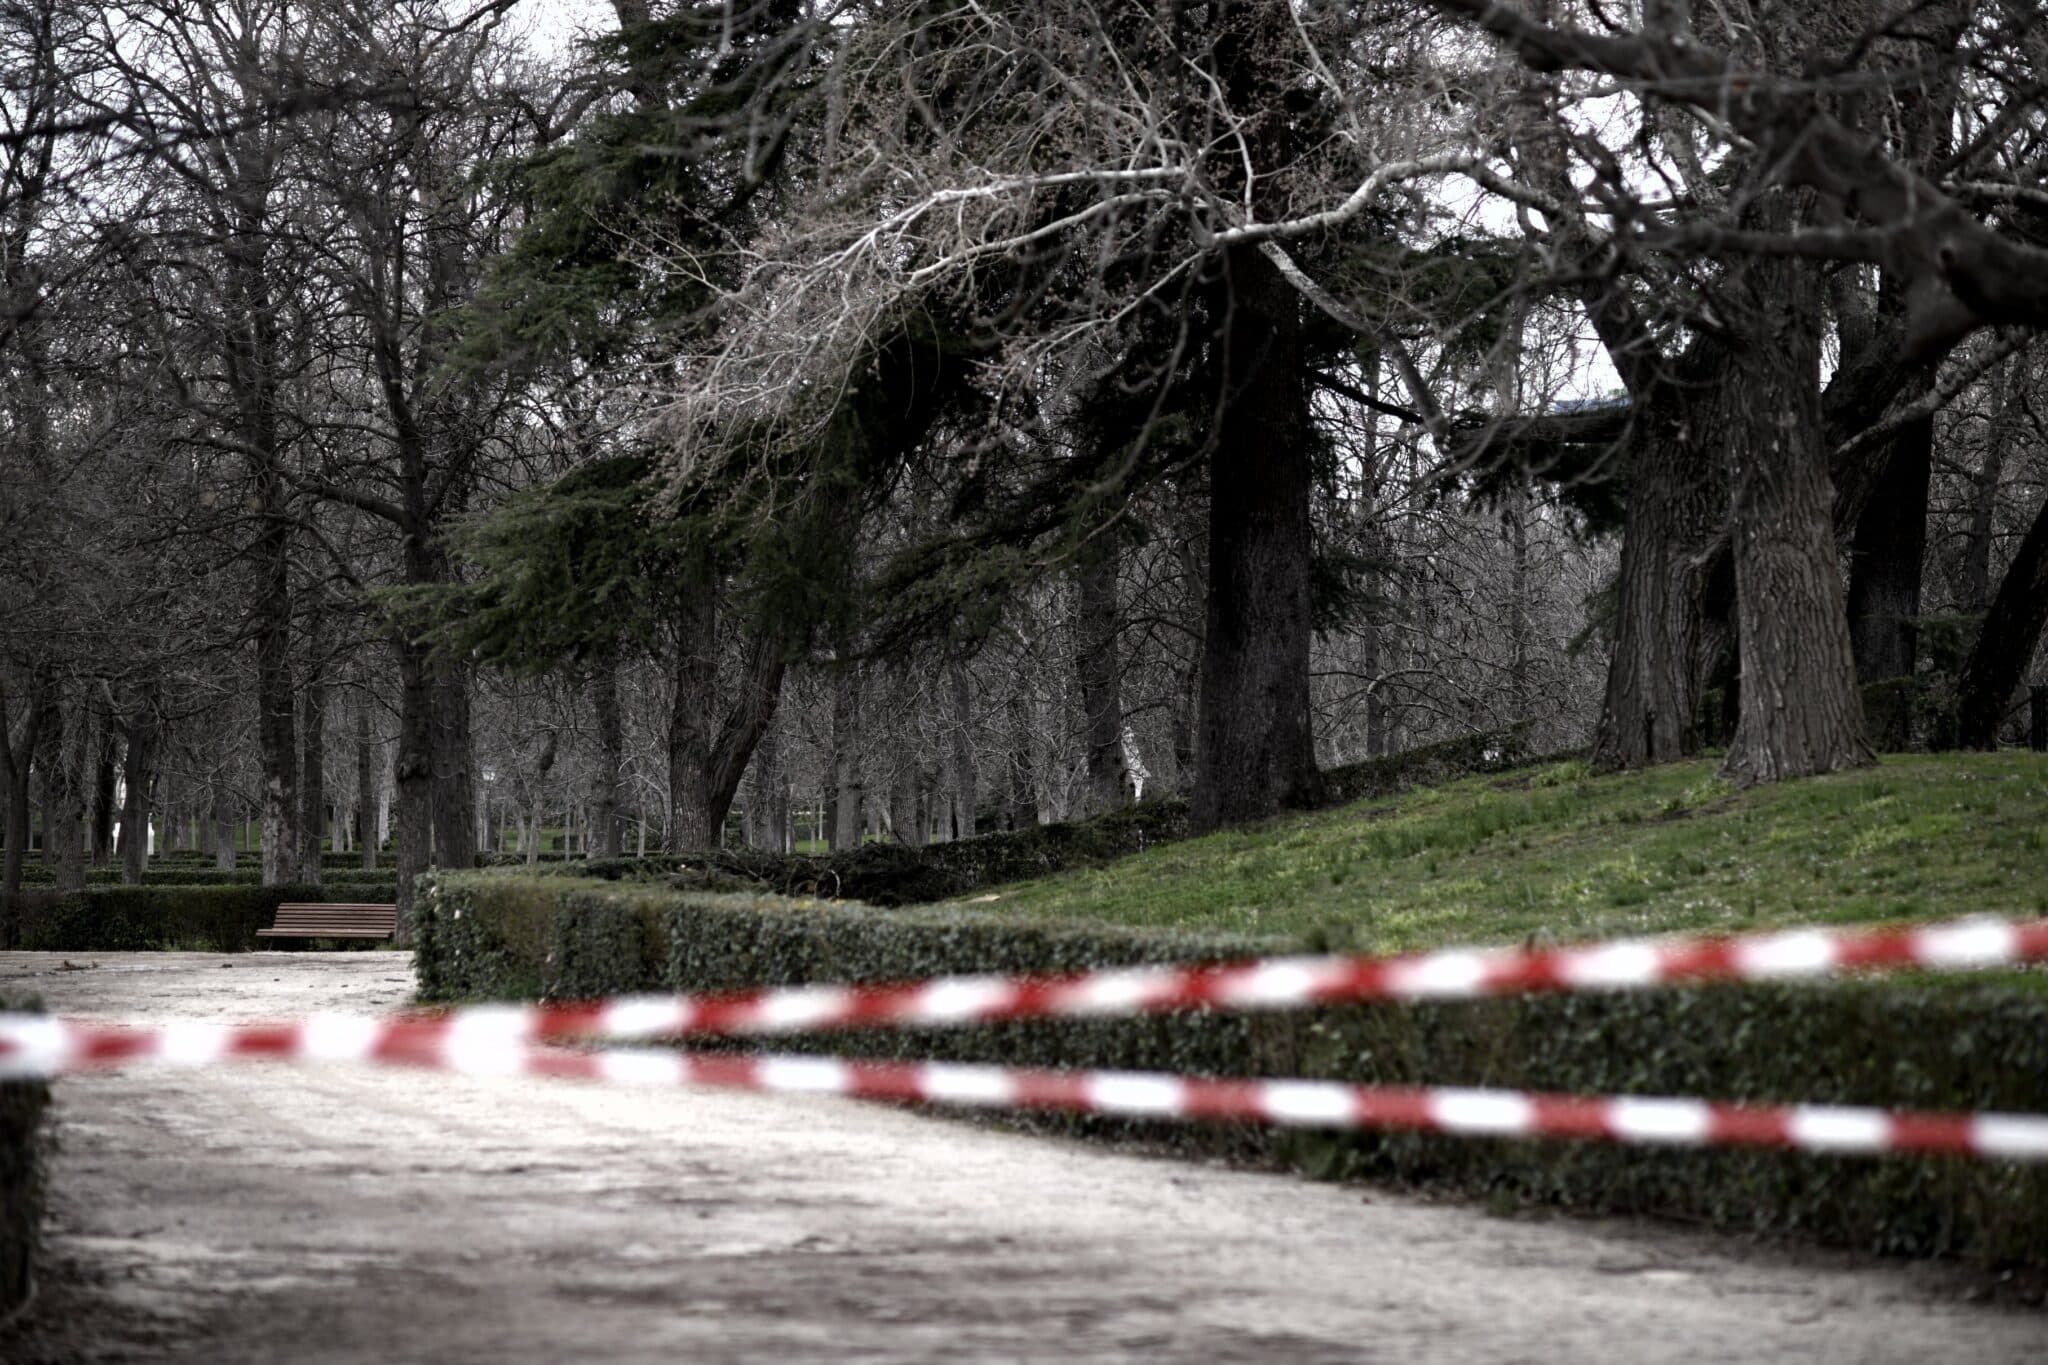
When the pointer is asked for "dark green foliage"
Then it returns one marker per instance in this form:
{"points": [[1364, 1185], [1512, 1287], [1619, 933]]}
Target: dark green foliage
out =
{"points": [[1910, 1043], [561, 574], [219, 919], [1888, 714], [21, 1177], [360, 885], [1911, 713]]}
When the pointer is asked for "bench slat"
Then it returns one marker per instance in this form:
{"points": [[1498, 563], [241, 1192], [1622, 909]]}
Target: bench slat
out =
{"points": [[335, 919]]}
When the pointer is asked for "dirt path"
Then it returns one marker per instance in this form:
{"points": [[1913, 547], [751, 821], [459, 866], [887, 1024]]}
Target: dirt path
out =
{"points": [[260, 1214]]}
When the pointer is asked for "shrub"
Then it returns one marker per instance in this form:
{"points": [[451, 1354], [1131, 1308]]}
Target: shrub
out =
{"points": [[890, 874], [221, 919], [22, 1104], [1910, 1043]]}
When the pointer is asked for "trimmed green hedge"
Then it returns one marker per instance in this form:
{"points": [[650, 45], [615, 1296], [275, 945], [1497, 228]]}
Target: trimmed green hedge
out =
{"points": [[1912, 1043], [890, 874], [22, 1104], [197, 874], [220, 919]]}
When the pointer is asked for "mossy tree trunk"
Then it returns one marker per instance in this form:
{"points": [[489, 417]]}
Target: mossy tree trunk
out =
{"points": [[1800, 713], [1666, 638]]}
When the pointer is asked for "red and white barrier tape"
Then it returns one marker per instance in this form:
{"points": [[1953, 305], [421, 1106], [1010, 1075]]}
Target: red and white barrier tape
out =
{"points": [[1274, 983], [37, 1046]]}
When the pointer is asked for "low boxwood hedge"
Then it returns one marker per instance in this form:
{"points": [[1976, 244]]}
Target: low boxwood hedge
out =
{"points": [[1929, 1043], [382, 881], [220, 919], [892, 874], [22, 1103]]}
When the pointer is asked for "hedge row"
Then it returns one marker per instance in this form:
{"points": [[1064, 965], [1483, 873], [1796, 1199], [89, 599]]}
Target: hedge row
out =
{"points": [[1918, 1043], [21, 1178], [890, 874], [220, 919], [383, 880]]}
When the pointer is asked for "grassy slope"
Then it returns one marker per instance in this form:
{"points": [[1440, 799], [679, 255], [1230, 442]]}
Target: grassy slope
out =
{"points": [[1554, 854]]}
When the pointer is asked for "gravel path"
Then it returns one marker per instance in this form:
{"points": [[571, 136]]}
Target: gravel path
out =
{"points": [[258, 1214]]}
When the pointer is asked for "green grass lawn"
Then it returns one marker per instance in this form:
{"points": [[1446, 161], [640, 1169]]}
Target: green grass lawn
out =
{"points": [[1556, 855]]}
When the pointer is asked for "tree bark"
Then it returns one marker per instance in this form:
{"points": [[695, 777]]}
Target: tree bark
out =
{"points": [[2006, 642], [847, 794], [611, 761], [413, 770], [16, 759], [707, 754], [1023, 765], [312, 776], [1801, 713], [1100, 675], [138, 779], [60, 753], [1665, 637], [105, 775], [1886, 556], [1256, 748], [454, 769], [367, 754], [2005, 417], [966, 780], [768, 805], [223, 824], [905, 821], [276, 720]]}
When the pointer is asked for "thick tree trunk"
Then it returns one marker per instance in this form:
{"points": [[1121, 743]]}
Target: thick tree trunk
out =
{"points": [[768, 803], [312, 777], [1100, 674], [2005, 421], [2006, 642], [454, 766], [905, 820], [1665, 640], [138, 781], [1886, 555], [693, 826], [105, 779], [1023, 765], [60, 754], [367, 754], [223, 824], [413, 770], [966, 778], [847, 794], [1256, 747], [15, 761], [1801, 713], [277, 741], [709, 745], [611, 762]]}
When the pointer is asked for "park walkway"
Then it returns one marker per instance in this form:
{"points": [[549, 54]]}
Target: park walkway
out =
{"points": [[266, 1214]]}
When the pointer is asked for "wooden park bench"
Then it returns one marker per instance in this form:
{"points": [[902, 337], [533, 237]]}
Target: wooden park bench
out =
{"points": [[333, 921]]}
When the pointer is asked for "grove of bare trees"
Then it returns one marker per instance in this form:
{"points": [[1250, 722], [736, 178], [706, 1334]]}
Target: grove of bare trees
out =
{"points": [[437, 427]]}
